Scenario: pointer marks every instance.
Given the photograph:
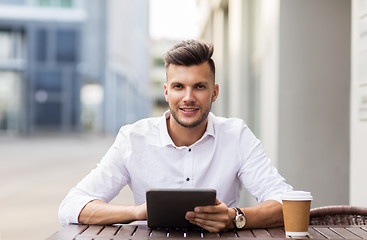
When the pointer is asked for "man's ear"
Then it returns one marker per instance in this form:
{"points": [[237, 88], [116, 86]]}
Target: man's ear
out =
{"points": [[165, 91], [215, 92]]}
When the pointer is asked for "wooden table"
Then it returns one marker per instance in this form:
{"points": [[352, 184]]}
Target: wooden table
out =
{"points": [[140, 231]]}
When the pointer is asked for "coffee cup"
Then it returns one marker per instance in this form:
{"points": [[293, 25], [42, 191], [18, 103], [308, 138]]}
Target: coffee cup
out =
{"points": [[296, 213]]}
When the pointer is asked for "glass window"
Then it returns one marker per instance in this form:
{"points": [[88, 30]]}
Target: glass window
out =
{"points": [[41, 45], [158, 62], [11, 45], [9, 100], [44, 3], [56, 3], [49, 81], [48, 113], [48, 89], [66, 46], [66, 3], [5, 45], [13, 2]]}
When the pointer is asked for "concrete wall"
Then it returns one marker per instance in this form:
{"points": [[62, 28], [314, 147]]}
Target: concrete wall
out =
{"points": [[127, 63], [285, 68], [93, 38], [238, 81], [358, 156], [314, 91], [244, 34]]}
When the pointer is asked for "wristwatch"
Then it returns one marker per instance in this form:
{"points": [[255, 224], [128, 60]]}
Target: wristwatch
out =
{"points": [[239, 220]]}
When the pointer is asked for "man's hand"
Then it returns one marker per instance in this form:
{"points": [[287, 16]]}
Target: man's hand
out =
{"points": [[141, 212], [219, 217], [214, 218]]}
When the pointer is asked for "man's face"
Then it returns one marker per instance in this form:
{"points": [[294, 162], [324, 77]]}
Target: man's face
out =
{"points": [[190, 91]]}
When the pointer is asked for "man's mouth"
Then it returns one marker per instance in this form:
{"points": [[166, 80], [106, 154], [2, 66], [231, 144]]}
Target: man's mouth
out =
{"points": [[189, 109]]}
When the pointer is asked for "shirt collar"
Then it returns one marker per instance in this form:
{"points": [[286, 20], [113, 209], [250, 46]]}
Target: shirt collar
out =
{"points": [[166, 139]]}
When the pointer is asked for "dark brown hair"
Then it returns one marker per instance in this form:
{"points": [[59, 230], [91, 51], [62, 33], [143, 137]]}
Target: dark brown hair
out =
{"points": [[190, 52]]}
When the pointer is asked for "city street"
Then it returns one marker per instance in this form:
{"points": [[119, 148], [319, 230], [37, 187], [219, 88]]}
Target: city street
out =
{"points": [[36, 173]]}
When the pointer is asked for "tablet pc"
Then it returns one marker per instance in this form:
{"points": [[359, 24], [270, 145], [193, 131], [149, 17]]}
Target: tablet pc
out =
{"points": [[166, 208]]}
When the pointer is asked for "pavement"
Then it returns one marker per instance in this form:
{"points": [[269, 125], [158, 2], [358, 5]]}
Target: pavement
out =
{"points": [[35, 175]]}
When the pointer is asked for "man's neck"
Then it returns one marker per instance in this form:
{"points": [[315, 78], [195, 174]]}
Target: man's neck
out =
{"points": [[183, 136]]}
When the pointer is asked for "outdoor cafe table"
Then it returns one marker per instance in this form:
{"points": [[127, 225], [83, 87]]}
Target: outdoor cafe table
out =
{"points": [[141, 231]]}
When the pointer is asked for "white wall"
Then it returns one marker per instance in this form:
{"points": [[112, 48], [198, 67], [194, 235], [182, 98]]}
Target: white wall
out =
{"points": [[314, 92], [127, 63], [267, 58], [358, 136], [288, 76], [238, 81]]}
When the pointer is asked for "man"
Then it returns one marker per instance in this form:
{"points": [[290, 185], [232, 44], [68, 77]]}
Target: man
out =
{"points": [[188, 147]]}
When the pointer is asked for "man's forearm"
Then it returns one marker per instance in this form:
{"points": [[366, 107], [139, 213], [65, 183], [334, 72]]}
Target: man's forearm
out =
{"points": [[100, 212], [266, 214]]}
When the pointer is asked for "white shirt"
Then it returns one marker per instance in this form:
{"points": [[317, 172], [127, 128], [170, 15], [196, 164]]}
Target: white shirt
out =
{"points": [[226, 158]]}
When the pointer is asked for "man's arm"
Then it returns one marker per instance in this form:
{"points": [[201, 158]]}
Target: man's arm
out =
{"points": [[219, 217], [100, 212], [266, 214]]}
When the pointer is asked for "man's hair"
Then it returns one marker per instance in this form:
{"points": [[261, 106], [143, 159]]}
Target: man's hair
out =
{"points": [[190, 52]]}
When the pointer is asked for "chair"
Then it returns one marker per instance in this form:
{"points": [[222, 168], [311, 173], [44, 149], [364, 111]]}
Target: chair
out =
{"points": [[338, 215]]}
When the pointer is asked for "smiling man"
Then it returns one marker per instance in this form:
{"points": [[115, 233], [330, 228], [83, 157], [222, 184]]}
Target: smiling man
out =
{"points": [[189, 91], [188, 147]]}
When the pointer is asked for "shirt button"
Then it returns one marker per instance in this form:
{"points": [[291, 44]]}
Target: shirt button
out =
{"points": [[187, 179], [189, 149]]}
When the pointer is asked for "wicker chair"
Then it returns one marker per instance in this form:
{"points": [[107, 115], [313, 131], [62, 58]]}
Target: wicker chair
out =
{"points": [[338, 215]]}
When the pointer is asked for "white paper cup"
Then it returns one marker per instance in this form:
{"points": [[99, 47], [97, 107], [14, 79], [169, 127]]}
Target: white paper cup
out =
{"points": [[296, 213]]}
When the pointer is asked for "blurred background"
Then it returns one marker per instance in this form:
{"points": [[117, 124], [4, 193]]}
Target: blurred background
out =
{"points": [[72, 72]]}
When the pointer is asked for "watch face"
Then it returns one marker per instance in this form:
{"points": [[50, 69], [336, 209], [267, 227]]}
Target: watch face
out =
{"points": [[240, 221]]}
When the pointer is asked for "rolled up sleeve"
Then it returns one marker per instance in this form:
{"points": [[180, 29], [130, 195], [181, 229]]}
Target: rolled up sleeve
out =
{"points": [[103, 183], [257, 174]]}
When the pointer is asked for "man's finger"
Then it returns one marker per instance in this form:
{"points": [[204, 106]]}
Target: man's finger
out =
{"points": [[209, 216], [211, 226], [205, 208]]}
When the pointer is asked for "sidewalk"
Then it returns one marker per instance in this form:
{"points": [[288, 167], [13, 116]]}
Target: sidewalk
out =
{"points": [[35, 175]]}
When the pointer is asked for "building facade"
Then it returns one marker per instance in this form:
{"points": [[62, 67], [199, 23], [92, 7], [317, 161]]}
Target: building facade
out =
{"points": [[127, 79], [358, 118], [284, 67], [40, 55], [158, 47], [54, 50]]}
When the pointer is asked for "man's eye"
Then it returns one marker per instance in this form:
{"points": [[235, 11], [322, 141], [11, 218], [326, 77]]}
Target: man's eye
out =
{"points": [[177, 86], [200, 86]]}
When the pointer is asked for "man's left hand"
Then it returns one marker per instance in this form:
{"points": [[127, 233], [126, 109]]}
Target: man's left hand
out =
{"points": [[214, 218]]}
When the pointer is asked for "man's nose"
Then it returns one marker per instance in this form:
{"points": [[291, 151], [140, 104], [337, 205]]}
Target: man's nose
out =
{"points": [[189, 95]]}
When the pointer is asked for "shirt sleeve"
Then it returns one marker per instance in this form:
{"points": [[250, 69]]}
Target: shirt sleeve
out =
{"points": [[104, 182], [257, 174]]}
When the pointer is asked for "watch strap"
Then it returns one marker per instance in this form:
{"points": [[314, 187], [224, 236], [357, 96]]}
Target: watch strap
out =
{"points": [[239, 212]]}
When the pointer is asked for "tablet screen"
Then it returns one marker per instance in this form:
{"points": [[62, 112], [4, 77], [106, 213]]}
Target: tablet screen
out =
{"points": [[166, 208]]}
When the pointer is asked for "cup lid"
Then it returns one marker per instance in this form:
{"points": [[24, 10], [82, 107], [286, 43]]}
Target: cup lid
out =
{"points": [[297, 196]]}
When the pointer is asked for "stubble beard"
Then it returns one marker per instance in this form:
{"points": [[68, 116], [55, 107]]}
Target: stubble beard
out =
{"points": [[201, 119]]}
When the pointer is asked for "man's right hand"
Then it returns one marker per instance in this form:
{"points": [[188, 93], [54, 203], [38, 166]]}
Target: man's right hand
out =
{"points": [[141, 212]]}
